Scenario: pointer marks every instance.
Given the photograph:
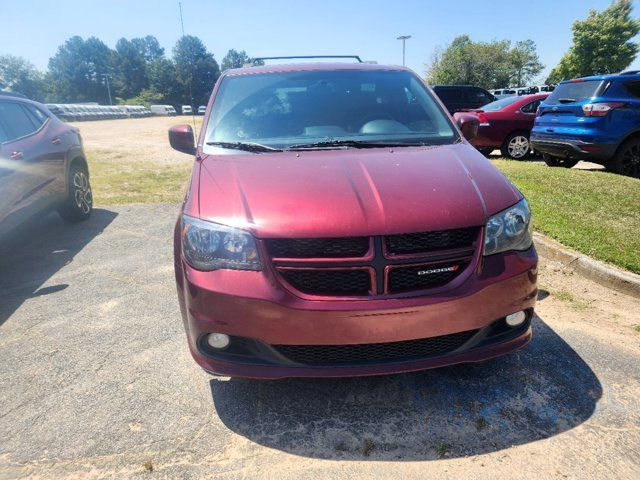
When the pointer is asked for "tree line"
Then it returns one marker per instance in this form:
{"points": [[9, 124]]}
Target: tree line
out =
{"points": [[137, 69], [602, 43], [140, 71]]}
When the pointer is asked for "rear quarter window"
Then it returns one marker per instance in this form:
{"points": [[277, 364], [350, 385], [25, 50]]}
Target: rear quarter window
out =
{"points": [[633, 88]]}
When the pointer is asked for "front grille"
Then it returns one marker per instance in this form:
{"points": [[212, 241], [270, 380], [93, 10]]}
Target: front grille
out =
{"points": [[403, 279], [429, 241], [317, 247], [329, 282], [373, 266], [369, 353]]}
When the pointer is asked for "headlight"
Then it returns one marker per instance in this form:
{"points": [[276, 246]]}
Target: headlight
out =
{"points": [[509, 230], [209, 246]]}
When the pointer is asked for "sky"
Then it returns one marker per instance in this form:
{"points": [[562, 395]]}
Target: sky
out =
{"points": [[35, 28]]}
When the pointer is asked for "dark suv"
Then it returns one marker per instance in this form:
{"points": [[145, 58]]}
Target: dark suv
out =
{"points": [[42, 165], [458, 98], [593, 118]]}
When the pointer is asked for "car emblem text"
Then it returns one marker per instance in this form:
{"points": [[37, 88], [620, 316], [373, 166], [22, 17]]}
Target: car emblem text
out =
{"points": [[453, 268]]}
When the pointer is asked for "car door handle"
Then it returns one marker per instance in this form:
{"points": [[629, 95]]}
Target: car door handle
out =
{"points": [[56, 141], [16, 155]]}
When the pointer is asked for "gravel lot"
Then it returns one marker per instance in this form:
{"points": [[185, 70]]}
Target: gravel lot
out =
{"points": [[96, 382]]}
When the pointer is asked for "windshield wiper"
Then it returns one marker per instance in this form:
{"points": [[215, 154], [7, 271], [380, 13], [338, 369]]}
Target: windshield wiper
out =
{"points": [[348, 144], [246, 146], [567, 100]]}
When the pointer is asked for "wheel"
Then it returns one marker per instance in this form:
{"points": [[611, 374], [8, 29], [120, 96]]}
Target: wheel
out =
{"points": [[516, 146], [485, 151], [559, 162], [79, 202], [627, 159]]}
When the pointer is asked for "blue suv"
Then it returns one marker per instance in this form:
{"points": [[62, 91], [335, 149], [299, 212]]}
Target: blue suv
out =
{"points": [[592, 118]]}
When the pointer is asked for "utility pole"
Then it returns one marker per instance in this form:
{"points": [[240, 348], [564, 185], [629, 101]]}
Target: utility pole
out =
{"points": [[404, 39], [106, 78]]}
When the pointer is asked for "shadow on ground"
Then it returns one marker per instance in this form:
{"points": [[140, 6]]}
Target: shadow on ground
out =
{"points": [[540, 391], [33, 253]]}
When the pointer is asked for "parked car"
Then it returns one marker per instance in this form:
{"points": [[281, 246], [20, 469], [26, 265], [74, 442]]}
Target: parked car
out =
{"points": [[462, 97], [339, 224], [541, 89], [187, 110], [163, 110], [503, 93], [506, 124], [593, 118], [42, 165], [202, 109]]}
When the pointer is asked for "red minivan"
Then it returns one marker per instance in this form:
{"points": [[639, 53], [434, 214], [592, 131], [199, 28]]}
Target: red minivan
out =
{"points": [[338, 223]]}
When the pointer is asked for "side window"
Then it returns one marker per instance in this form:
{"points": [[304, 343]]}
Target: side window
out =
{"points": [[37, 116], [531, 107], [480, 96], [633, 88], [16, 121]]}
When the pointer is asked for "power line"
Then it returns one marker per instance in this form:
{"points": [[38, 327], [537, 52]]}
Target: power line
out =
{"points": [[106, 78]]}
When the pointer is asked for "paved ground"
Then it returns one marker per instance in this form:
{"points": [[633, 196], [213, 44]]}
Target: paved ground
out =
{"points": [[96, 381]]}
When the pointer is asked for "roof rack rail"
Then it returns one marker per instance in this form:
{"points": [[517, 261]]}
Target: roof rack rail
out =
{"points": [[630, 72], [355, 57], [12, 94]]}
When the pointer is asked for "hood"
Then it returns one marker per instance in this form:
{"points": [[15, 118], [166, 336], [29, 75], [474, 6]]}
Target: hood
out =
{"points": [[337, 193]]}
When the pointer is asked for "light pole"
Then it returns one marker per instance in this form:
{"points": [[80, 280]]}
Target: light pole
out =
{"points": [[404, 39], [106, 78]]}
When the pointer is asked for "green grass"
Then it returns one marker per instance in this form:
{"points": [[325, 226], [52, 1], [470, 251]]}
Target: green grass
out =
{"points": [[596, 213], [115, 179], [568, 297], [637, 328]]}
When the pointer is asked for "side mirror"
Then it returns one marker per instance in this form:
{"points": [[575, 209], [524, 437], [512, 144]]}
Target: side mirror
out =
{"points": [[181, 139], [468, 124]]}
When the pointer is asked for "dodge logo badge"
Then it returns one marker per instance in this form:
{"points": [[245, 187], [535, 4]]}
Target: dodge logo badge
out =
{"points": [[453, 268]]}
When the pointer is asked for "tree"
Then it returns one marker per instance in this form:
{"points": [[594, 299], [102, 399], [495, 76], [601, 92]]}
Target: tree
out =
{"points": [[76, 71], [163, 80], [149, 47], [489, 64], [525, 62], [235, 59], [20, 76], [130, 68], [196, 69], [602, 43]]}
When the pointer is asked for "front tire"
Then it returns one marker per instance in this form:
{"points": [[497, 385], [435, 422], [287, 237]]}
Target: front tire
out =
{"points": [[552, 161], [627, 159], [79, 202], [516, 146]]}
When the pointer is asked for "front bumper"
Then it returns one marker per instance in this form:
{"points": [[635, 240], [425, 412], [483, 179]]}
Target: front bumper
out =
{"points": [[574, 149], [254, 307]]}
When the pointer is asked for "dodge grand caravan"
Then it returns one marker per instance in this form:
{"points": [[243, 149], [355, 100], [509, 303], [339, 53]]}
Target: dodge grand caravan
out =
{"points": [[338, 223]]}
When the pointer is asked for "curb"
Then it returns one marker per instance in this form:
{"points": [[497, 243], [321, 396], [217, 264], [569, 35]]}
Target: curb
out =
{"points": [[599, 272]]}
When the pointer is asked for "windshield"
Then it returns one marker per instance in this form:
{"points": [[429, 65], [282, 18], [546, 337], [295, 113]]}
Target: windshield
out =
{"points": [[571, 92], [500, 104], [305, 107]]}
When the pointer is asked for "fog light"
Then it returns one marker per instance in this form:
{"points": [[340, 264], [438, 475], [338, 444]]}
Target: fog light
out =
{"points": [[218, 340], [516, 319]]}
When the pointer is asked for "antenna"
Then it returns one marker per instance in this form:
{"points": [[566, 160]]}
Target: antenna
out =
{"points": [[181, 19], [193, 115]]}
